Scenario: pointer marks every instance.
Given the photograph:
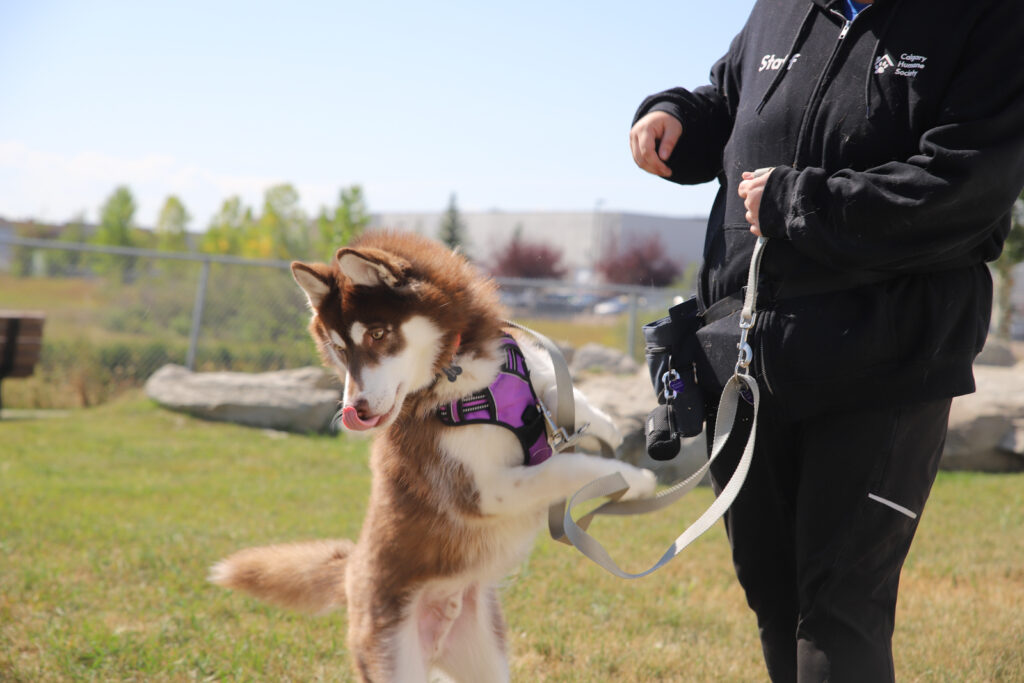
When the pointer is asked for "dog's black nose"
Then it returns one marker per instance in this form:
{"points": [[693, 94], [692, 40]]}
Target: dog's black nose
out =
{"points": [[362, 407]]}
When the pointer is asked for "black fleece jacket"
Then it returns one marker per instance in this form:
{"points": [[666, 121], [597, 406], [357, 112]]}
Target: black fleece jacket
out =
{"points": [[898, 146]]}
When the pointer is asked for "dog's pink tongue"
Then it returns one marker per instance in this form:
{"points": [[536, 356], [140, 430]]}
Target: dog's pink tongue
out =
{"points": [[350, 418]]}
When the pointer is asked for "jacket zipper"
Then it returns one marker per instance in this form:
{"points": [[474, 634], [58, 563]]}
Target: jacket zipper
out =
{"points": [[809, 115], [815, 103], [846, 29]]}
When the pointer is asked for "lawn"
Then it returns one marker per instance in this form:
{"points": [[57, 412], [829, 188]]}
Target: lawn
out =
{"points": [[110, 516]]}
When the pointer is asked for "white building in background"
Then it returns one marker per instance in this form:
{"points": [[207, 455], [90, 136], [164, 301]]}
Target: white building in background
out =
{"points": [[581, 236]]}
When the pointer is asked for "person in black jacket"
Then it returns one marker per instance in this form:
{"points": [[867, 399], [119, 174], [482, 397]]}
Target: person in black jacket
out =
{"points": [[895, 134]]}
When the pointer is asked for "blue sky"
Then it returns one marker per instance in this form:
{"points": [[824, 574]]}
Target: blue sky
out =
{"points": [[511, 106]]}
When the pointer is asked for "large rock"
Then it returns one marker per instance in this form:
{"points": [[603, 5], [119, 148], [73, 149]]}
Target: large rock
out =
{"points": [[302, 400], [628, 399], [986, 428], [997, 352], [591, 358]]}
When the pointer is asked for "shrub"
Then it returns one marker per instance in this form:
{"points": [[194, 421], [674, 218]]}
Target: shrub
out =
{"points": [[642, 262], [527, 259]]}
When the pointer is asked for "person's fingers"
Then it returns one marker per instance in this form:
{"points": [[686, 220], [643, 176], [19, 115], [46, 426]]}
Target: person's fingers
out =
{"points": [[649, 161], [644, 140], [672, 130]]}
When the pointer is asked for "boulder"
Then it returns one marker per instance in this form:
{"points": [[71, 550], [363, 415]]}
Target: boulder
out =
{"points": [[628, 399], [302, 400], [591, 358], [986, 428], [997, 352]]}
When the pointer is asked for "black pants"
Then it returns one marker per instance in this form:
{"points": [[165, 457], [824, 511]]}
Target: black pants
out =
{"points": [[821, 528]]}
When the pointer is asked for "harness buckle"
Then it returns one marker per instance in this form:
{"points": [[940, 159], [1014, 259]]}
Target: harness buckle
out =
{"points": [[560, 439]]}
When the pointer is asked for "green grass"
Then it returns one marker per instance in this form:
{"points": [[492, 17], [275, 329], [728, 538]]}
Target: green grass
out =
{"points": [[110, 517]]}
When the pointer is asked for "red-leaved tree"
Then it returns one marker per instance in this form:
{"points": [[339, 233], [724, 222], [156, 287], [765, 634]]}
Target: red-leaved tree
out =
{"points": [[527, 259], [641, 262]]}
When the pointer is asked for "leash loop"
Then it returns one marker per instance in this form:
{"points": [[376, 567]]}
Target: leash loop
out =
{"points": [[741, 384]]}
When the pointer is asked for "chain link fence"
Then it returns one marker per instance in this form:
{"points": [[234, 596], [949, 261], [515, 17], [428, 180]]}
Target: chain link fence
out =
{"points": [[116, 315]]}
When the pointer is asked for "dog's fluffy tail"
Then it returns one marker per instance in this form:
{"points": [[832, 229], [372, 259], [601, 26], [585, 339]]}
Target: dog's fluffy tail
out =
{"points": [[305, 576]]}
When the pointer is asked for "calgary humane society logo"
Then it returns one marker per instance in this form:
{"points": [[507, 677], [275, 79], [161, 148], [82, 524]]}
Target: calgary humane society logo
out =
{"points": [[908, 65]]}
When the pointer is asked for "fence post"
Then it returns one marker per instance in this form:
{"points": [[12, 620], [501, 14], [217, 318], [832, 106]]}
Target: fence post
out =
{"points": [[634, 304], [197, 315]]}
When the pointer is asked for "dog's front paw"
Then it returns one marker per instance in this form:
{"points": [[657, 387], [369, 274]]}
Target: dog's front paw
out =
{"points": [[641, 483]]}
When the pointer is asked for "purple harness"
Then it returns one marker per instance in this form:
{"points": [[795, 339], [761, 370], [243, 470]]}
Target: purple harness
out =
{"points": [[509, 402]]}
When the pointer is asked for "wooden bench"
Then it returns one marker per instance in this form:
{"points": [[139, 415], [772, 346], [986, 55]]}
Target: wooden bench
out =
{"points": [[21, 341]]}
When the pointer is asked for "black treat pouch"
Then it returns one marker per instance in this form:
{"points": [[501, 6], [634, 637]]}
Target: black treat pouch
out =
{"points": [[661, 432], [671, 345]]}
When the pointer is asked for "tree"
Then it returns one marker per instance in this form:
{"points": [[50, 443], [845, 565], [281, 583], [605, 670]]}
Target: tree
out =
{"points": [[453, 229], [282, 229], [528, 259], [643, 262], [116, 228], [1013, 253], [117, 219], [340, 226], [228, 228], [171, 224]]}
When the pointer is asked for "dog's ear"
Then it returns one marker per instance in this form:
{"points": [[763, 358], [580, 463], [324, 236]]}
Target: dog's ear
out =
{"points": [[314, 279], [371, 267]]}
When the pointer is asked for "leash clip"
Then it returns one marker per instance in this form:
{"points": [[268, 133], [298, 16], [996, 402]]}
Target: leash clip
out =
{"points": [[746, 352], [670, 380], [560, 439]]}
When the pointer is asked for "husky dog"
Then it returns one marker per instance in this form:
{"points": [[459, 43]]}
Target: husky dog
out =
{"points": [[455, 504]]}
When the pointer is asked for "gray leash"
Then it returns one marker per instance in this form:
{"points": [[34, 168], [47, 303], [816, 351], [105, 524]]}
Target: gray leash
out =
{"points": [[615, 486]]}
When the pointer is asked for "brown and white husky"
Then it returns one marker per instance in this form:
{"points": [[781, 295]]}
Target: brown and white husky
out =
{"points": [[452, 508]]}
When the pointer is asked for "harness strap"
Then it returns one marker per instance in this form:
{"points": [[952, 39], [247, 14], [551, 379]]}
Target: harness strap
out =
{"points": [[509, 402], [565, 419]]}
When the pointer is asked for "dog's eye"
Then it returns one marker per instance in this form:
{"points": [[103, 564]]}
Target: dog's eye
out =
{"points": [[377, 334], [339, 349]]}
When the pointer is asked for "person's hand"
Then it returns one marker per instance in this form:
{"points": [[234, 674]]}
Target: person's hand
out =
{"points": [[751, 189], [657, 129]]}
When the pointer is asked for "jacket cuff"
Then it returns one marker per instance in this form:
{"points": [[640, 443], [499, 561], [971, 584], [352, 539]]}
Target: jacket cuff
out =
{"points": [[667, 106], [775, 202]]}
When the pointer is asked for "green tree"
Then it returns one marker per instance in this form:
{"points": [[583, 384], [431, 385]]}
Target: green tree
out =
{"points": [[117, 219], [1013, 253], [228, 229], [116, 229], [453, 229], [171, 226], [282, 230], [340, 226]]}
